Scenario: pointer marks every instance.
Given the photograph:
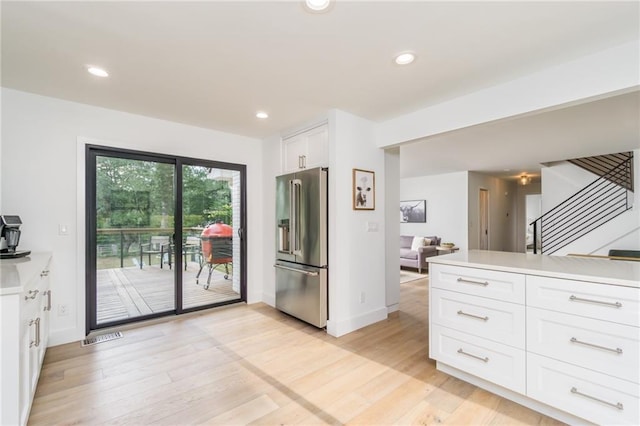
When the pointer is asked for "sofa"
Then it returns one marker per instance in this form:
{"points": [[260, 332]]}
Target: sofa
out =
{"points": [[415, 250]]}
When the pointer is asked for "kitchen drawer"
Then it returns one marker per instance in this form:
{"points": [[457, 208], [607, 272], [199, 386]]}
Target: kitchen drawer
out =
{"points": [[501, 322], [582, 392], [598, 345], [480, 282], [600, 301], [495, 362]]}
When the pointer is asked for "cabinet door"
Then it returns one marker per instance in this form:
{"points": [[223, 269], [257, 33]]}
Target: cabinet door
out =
{"points": [[294, 151], [317, 147], [306, 150]]}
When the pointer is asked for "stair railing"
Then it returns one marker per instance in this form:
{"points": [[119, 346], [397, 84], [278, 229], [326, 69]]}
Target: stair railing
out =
{"points": [[591, 207]]}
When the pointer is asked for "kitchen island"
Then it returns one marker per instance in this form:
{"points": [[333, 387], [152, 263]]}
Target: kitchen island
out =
{"points": [[560, 335]]}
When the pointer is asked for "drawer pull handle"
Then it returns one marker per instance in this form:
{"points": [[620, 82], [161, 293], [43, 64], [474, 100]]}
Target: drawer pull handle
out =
{"points": [[33, 294], [617, 405], [483, 283], [593, 345], [578, 299], [473, 316], [485, 359], [36, 342]]}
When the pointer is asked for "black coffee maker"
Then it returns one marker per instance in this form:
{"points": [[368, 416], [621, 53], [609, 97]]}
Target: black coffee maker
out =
{"points": [[10, 237]]}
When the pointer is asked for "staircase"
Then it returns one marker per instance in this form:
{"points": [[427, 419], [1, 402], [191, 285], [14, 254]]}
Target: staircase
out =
{"points": [[596, 204], [601, 165]]}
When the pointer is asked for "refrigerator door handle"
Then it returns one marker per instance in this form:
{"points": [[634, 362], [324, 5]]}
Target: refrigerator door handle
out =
{"points": [[294, 215], [302, 271]]}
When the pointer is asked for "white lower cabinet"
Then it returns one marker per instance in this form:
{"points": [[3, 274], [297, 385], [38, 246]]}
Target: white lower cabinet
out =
{"points": [[495, 362], [25, 303], [594, 396], [568, 348], [597, 345], [499, 321]]}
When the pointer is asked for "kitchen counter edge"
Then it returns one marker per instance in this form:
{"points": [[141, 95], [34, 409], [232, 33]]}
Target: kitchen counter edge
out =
{"points": [[16, 273], [614, 272]]}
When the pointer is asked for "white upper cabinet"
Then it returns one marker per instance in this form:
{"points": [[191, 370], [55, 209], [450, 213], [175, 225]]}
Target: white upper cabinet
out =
{"points": [[306, 149]]}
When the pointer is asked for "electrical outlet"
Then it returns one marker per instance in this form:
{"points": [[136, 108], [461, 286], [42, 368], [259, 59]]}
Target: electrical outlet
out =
{"points": [[362, 297], [63, 310]]}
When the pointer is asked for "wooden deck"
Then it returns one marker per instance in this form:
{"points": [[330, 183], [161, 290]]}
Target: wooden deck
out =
{"points": [[132, 292]]}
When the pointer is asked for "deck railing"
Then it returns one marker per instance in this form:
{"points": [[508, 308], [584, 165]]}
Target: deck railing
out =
{"points": [[143, 235]]}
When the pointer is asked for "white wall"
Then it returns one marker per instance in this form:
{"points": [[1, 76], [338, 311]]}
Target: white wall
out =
{"points": [[560, 181], [356, 256], [447, 207], [392, 228], [42, 181], [501, 211], [270, 169]]}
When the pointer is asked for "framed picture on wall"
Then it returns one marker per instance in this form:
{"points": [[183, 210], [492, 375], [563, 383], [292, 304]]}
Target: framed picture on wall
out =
{"points": [[364, 190], [413, 211]]}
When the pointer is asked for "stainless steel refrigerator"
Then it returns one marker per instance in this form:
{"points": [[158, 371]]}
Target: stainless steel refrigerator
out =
{"points": [[301, 245]]}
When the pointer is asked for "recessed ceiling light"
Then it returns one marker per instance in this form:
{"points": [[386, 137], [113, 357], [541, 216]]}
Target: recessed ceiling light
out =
{"points": [[405, 58], [262, 115], [98, 72], [317, 5]]}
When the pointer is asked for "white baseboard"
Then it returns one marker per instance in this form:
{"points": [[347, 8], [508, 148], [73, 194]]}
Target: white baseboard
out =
{"points": [[67, 335], [269, 299], [393, 308], [340, 328]]}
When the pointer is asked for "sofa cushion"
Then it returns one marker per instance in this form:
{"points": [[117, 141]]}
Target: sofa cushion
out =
{"points": [[405, 241], [433, 240], [417, 243], [406, 253]]}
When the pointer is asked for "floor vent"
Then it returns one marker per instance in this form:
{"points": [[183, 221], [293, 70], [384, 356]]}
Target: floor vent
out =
{"points": [[101, 338]]}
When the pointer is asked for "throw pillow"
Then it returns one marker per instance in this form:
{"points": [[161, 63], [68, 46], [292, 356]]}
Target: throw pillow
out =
{"points": [[427, 241], [417, 243]]}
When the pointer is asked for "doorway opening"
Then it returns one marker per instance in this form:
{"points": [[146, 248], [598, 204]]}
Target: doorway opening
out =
{"points": [[533, 210], [484, 219], [164, 235]]}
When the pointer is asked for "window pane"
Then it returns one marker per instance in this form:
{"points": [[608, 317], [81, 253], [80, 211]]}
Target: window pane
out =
{"points": [[134, 229], [211, 246]]}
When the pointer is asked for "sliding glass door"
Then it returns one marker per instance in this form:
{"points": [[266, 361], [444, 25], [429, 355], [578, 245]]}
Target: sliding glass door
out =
{"points": [[164, 235], [211, 215]]}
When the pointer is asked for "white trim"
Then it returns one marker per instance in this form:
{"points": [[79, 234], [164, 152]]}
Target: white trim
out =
{"points": [[341, 328]]}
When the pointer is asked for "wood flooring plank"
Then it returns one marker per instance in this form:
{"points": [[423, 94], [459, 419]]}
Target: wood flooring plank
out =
{"points": [[244, 413], [251, 364]]}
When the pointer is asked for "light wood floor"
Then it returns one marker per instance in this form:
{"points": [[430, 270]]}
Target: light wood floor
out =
{"points": [[254, 365]]}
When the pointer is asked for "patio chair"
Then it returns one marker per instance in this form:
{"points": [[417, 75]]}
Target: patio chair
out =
{"points": [[193, 249], [157, 245]]}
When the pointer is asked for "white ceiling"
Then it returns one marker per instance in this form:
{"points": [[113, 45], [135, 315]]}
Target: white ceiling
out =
{"points": [[214, 64], [511, 147]]}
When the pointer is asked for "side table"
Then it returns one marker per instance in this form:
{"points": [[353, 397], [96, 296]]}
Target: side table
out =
{"points": [[447, 250]]}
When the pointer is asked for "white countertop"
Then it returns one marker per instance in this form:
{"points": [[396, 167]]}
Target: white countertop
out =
{"points": [[16, 273], [616, 272]]}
